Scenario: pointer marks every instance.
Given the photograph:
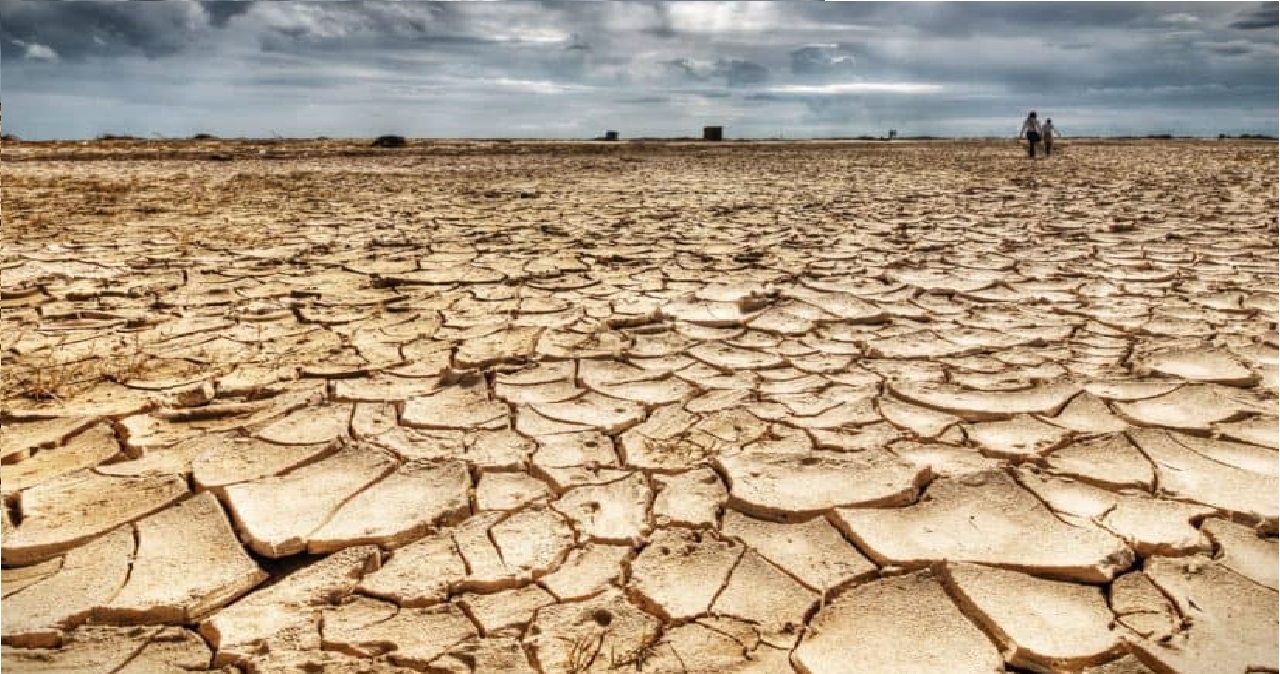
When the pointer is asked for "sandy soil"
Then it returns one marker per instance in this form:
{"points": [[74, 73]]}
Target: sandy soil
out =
{"points": [[535, 407]]}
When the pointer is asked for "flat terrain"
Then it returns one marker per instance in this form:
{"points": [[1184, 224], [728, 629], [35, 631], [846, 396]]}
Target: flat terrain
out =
{"points": [[660, 407]]}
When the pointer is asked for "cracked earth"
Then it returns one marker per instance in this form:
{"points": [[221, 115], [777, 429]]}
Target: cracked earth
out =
{"points": [[523, 407]]}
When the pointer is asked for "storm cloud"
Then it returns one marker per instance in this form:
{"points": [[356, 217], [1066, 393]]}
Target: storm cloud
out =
{"points": [[1267, 15], [572, 69]]}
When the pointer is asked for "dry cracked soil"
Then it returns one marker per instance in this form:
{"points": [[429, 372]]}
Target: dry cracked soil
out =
{"points": [[660, 407]]}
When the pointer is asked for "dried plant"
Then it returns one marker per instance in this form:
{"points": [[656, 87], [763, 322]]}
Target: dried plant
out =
{"points": [[583, 650]]}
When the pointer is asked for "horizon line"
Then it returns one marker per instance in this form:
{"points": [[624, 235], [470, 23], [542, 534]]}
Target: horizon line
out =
{"points": [[111, 137]]}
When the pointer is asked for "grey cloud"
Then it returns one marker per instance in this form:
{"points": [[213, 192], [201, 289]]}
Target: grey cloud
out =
{"points": [[640, 65], [687, 69], [1030, 19], [222, 11], [1230, 49], [998, 18], [739, 73], [821, 60], [78, 29], [645, 100], [703, 93], [664, 25], [1266, 15], [304, 26], [734, 72]]}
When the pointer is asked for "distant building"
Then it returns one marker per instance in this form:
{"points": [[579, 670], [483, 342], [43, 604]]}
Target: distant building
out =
{"points": [[713, 133], [611, 135], [893, 133]]}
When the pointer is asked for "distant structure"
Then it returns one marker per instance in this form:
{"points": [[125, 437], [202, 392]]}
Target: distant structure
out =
{"points": [[611, 135], [893, 133], [389, 141], [713, 133]]}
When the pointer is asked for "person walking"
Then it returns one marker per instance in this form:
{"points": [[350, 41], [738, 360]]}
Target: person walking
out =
{"points": [[1031, 131], [1047, 132]]}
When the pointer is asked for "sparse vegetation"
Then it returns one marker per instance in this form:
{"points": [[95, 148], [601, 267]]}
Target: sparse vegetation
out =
{"points": [[583, 650]]}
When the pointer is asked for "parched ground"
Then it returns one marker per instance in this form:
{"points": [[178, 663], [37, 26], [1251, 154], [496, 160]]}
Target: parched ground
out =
{"points": [[536, 407]]}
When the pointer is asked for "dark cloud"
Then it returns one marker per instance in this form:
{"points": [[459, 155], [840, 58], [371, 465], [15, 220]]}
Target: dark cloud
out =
{"points": [[78, 29], [1230, 49], [663, 25], [1266, 15], [646, 67], [222, 11], [739, 73]]}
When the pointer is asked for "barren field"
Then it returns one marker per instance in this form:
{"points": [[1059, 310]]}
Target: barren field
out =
{"points": [[658, 407]]}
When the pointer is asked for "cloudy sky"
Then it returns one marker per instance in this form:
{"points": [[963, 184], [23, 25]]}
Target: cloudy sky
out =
{"points": [[75, 69]]}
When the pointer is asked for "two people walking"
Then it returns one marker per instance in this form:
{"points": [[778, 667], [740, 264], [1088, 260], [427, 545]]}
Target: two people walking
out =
{"points": [[1035, 132]]}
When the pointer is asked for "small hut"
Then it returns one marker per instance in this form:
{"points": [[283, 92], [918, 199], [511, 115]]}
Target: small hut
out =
{"points": [[611, 135], [713, 133]]}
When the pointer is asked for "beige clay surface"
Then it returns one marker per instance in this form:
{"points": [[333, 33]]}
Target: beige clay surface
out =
{"points": [[552, 408]]}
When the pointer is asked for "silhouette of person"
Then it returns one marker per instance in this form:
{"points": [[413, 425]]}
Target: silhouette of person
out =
{"points": [[1031, 131], [1048, 132]]}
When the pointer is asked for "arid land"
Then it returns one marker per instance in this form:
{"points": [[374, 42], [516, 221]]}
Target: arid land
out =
{"points": [[309, 406]]}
